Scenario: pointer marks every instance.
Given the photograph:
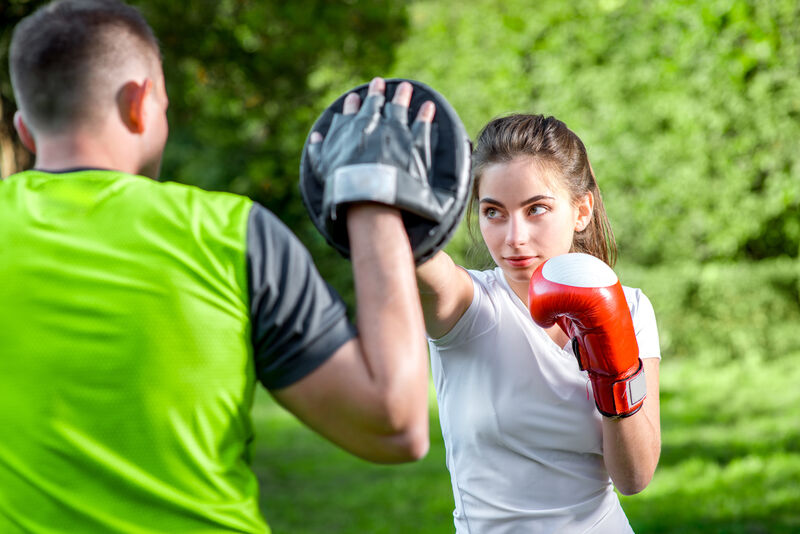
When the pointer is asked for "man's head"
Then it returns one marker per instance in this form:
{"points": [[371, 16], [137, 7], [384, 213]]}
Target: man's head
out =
{"points": [[78, 64]]}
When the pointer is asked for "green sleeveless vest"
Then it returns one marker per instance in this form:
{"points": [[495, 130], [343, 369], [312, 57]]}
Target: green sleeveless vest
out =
{"points": [[126, 372]]}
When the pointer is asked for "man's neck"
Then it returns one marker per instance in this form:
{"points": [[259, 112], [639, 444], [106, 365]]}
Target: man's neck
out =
{"points": [[65, 170], [76, 151]]}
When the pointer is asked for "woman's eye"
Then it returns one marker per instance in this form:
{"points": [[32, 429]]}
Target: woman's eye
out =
{"points": [[491, 213], [537, 209]]}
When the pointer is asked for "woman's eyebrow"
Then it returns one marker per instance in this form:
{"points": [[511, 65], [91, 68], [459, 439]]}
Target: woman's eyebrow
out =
{"points": [[490, 200], [535, 198]]}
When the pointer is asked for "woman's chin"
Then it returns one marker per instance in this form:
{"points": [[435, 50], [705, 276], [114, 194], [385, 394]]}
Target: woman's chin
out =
{"points": [[519, 276]]}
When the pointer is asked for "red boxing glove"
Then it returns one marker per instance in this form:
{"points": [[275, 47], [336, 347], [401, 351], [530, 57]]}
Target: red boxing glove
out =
{"points": [[583, 295]]}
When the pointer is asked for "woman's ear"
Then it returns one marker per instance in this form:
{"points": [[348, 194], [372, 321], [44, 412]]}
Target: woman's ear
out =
{"points": [[131, 101], [24, 133], [585, 209]]}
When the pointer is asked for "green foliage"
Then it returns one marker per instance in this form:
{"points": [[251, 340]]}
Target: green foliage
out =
{"points": [[239, 73], [689, 110], [723, 312]]}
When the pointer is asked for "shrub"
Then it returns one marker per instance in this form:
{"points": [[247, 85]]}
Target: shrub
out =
{"points": [[723, 311], [689, 110]]}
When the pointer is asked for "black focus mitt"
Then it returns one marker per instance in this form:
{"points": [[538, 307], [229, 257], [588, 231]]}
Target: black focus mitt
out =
{"points": [[373, 156]]}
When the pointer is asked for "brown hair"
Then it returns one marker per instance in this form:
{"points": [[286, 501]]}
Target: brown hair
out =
{"points": [[62, 56], [550, 141]]}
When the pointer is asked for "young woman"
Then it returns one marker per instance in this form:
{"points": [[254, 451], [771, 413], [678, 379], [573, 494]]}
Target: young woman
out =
{"points": [[527, 449]]}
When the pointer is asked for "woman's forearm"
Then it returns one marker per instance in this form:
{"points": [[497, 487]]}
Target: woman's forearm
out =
{"points": [[632, 445]]}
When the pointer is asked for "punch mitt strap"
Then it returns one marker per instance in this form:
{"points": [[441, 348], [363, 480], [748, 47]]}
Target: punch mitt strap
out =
{"points": [[374, 156]]}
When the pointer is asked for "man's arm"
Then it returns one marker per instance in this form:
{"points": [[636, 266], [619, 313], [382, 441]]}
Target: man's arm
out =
{"points": [[370, 397]]}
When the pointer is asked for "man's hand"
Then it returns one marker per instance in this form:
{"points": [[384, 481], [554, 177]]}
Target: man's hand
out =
{"points": [[371, 155]]}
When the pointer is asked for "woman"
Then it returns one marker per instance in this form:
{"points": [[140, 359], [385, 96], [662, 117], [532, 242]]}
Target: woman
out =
{"points": [[527, 449]]}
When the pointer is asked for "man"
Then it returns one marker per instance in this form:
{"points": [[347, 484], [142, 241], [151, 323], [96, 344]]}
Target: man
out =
{"points": [[137, 315]]}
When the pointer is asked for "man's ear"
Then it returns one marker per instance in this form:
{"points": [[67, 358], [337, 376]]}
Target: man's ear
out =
{"points": [[24, 134], [131, 103]]}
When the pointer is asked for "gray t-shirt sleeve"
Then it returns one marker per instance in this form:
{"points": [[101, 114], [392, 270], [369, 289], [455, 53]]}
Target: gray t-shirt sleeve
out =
{"points": [[298, 320]]}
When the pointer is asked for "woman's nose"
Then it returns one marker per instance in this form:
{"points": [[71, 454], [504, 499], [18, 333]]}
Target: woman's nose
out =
{"points": [[517, 232]]}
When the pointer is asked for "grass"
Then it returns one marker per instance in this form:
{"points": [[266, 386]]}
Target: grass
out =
{"points": [[730, 463], [309, 486], [730, 460]]}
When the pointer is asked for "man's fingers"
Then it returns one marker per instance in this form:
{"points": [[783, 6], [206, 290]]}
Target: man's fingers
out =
{"points": [[421, 132], [351, 104], [397, 109], [426, 112], [316, 137], [402, 96], [377, 86], [374, 101]]}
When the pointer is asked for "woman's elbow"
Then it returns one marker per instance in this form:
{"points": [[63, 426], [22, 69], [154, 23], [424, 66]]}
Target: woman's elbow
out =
{"points": [[634, 482], [633, 485]]}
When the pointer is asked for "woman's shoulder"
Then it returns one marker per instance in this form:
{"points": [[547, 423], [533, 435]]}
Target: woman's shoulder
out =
{"points": [[644, 322], [637, 301], [481, 315], [487, 287], [488, 278]]}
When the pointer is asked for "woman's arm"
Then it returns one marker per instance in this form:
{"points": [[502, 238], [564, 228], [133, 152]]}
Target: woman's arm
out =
{"points": [[445, 290], [632, 445]]}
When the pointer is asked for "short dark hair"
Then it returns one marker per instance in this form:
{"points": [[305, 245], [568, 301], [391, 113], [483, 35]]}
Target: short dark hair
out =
{"points": [[58, 56]]}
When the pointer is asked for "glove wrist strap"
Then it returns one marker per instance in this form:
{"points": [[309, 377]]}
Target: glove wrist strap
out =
{"points": [[385, 184], [364, 182], [620, 397]]}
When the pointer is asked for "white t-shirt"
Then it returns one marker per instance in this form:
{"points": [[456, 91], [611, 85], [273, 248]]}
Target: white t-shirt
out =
{"points": [[522, 435]]}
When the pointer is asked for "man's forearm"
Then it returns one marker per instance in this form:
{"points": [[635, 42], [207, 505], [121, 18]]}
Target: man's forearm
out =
{"points": [[389, 317]]}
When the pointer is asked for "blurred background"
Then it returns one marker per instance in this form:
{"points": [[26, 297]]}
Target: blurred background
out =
{"points": [[690, 111]]}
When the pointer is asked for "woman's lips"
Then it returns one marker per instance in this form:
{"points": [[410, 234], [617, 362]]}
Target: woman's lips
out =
{"points": [[520, 261]]}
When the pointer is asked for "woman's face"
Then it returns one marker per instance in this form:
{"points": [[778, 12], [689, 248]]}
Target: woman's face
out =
{"points": [[526, 215]]}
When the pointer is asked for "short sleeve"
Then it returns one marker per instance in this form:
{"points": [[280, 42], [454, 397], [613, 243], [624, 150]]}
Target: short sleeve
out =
{"points": [[298, 320], [644, 323], [480, 316]]}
